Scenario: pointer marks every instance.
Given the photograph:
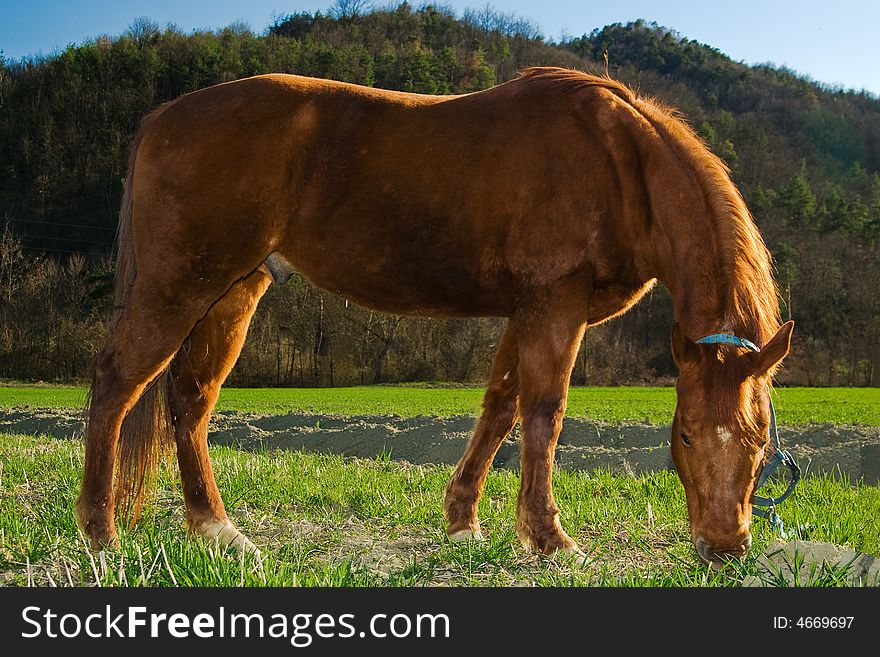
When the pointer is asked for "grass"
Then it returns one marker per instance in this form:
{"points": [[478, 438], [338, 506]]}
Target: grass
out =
{"points": [[325, 520], [794, 406]]}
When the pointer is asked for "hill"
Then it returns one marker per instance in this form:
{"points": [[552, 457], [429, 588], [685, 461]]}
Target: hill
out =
{"points": [[806, 157]]}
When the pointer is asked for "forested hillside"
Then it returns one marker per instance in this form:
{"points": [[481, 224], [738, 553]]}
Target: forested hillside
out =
{"points": [[806, 157]]}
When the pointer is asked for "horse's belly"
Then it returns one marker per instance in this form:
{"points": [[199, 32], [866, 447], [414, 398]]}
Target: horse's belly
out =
{"points": [[408, 287]]}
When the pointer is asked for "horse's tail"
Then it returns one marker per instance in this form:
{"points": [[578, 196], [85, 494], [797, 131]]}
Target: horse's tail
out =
{"points": [[147, 432]]}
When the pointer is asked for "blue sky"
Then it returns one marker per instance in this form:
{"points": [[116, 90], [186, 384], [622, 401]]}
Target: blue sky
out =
{"points": [[836, 42]]}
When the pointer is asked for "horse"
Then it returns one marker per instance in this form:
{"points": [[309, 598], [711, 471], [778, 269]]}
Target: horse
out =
{"points": [[554, 201]]}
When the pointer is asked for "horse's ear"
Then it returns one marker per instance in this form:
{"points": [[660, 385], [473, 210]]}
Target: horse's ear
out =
{"points": [[767, 360], [684, 350]]}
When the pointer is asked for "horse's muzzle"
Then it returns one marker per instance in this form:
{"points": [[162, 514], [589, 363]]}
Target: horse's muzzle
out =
{"points": [[717, 556]]}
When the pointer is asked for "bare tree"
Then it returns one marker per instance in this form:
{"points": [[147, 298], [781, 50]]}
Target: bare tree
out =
{"points": [[142, 29], [350, 8]]}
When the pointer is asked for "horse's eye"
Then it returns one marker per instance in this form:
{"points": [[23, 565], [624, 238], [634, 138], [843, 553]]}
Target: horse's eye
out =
{"points": [[685, 439]]}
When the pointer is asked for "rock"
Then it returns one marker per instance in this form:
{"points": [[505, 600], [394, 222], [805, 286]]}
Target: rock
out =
{"points": [[805, 563]]}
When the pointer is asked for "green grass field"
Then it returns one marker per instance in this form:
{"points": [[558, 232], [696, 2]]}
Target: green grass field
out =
{"points": [[324, 520], [793, 405]]}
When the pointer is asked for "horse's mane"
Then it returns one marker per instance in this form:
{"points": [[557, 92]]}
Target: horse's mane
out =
{"points": [[746, 268]]}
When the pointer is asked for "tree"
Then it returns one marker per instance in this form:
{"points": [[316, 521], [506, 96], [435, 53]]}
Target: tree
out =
{"points": [[349, 9], [798, 201]]}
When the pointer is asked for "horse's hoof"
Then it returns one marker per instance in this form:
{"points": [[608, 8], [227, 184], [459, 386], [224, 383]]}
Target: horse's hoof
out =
{"points": [[464, 535], [549, 540], [554, 548], [103, 543], [99, 533], [570, 553], [225, 534]]}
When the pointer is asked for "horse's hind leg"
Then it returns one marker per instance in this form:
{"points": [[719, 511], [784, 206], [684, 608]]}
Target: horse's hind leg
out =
{"points": [[149, 332], [198, 371], [500, 412]]}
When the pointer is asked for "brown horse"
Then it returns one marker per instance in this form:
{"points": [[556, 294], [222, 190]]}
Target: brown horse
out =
{"points": [[554, 200]]}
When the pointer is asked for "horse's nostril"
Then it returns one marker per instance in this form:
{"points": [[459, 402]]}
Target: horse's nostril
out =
{"points": [[703, 549]]}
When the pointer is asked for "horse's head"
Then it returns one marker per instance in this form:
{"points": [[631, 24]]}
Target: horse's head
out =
{"points": [[720, 436]]}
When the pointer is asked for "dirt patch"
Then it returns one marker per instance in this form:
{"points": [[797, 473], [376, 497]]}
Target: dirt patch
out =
{"points": [[630, 447]]}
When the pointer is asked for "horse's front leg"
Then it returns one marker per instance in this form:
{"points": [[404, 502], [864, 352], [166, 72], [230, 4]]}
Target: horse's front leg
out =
{"points": [[549, 338]]}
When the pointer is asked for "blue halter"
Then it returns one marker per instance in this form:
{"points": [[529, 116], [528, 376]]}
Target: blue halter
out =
{"points": [[780, 456]]}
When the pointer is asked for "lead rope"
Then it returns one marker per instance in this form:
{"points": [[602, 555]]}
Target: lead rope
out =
{"points": [[780, 456]]}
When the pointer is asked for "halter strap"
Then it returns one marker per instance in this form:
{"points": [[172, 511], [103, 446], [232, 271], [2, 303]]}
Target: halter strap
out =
{"points": [[780, 456]]}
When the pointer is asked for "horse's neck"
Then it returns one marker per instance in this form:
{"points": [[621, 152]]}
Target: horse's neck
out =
{"points": [[699, 293], [703, 245], [699, 279]]}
